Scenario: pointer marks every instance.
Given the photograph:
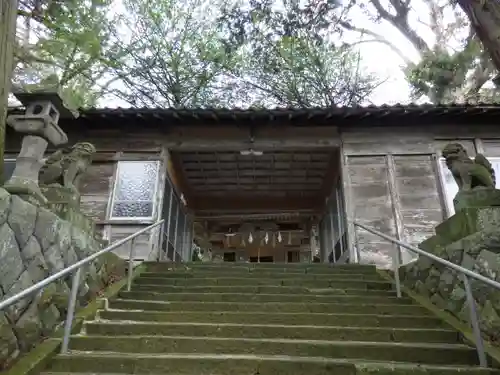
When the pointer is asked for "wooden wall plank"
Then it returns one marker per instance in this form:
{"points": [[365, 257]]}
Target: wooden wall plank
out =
{"points": [[420, 203], [142, 248], [399, 256], [370, 204], [386, 140]]}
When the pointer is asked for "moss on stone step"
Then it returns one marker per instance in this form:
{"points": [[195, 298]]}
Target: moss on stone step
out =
{"points": [[351, 320], [242, 281], [269, 274], [373, 369], [317, 332], [250, 297], [322, 308], [199, 365], [261, 290], [317, 267], [379, 351]]}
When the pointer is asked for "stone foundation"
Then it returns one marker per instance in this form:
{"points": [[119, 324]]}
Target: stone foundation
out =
{"points": [[471, 239], [36, 242]]}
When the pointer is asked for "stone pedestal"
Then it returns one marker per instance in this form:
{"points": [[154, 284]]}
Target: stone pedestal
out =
{"points": [[478, 197]]}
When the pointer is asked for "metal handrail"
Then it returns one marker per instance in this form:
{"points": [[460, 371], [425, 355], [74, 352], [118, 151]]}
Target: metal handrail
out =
{"points": [[463, 271], [76, 279]]}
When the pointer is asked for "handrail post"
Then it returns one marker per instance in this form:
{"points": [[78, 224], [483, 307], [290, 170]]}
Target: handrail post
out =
{"points": [[397, 264], [475, 323], [160, 244], [71, 310], [356, 246], [396, 276], [130, 264]]}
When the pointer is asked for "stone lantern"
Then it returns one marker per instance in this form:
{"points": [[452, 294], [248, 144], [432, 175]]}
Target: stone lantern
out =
{"points": [[39, 124]]}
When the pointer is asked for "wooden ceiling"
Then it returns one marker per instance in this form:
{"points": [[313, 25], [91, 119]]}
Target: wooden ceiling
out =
{"points": [[286, 184], [273, 175], [293, 170]]}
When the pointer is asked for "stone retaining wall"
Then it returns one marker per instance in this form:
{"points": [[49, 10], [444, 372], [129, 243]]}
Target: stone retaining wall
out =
{"points": [[471, 239], [35, 243]]}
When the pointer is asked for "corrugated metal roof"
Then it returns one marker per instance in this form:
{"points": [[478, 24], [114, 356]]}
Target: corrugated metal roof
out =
{"points": [[321, 114]]}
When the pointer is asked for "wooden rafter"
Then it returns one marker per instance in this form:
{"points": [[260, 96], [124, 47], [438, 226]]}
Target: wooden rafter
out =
{"points": [[261, 204]]}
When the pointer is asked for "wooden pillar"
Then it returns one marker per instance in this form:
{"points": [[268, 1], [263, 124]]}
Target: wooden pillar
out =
{"points": [[8, 15], [349, 210]]}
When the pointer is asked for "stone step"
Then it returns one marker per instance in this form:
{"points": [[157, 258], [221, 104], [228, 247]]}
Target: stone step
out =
{"points": [[317, 332], [290, 307], [344, 320], [380, 351], [307, 267], [210, 364], [269, 274], [296, 270], [261, 290], [270, 367], [242, 281], [260, 297]]}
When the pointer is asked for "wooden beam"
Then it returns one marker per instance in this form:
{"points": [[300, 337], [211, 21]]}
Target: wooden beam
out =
{"points": [[230, 138], [261, 204]]}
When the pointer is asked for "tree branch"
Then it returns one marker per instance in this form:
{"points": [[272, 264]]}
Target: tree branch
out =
{"points": [[400, 22], [377, 38]]}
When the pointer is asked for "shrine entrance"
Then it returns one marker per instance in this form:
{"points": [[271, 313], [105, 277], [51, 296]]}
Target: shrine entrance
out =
{"points": [[260, 194]]}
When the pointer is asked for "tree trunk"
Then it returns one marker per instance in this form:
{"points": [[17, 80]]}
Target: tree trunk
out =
{"points": [[484, 16], [8, 14]]}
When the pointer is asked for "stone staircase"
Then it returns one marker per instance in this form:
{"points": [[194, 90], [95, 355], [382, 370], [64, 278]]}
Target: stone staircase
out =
{"points": [[265, 319]]}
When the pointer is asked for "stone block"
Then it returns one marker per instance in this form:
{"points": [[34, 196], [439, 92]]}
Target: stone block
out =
{"points": [[49, 319], [69, 256], [22, 219], [64, 236], [8, 341], [456, 299], [31, 250], [14, 312], [11, 263], [54, 259], [488, 264], [47, 228], [447, 281], [438, 301], [38, 269], [422, 289], [490, 317], [468, 262], [28, 328], [4, 206]]}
